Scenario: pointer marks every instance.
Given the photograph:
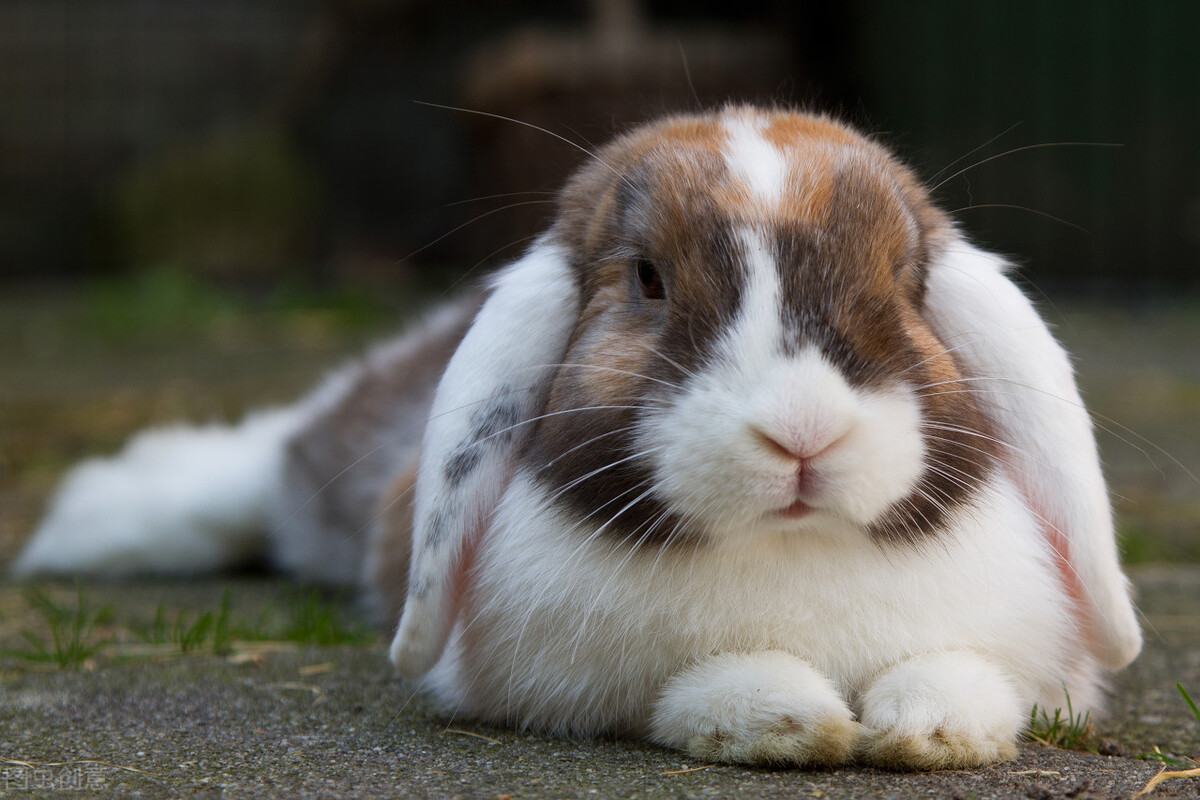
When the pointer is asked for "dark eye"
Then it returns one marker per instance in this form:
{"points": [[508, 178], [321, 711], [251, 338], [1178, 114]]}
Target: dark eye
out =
{"points": [[650, 280]]}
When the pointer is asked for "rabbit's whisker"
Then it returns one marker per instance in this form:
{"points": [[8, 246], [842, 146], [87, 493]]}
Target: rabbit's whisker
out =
{"points": [[486, 259], [1014, 151], [581, 547], [585, 443], [388, 506], [333, 480], [602, 368], [524, 193], [615, 498], [689, 373], [1015, 207], [938, 354], [575, 482], [1097, 419], [962, 479], [586, 151], [551, 414], [599, 598], [470, 222], [1094, 415], [974, 150]]}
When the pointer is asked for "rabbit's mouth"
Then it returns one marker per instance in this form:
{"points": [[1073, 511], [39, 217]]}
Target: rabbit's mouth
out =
{"points": [[796, 510]]}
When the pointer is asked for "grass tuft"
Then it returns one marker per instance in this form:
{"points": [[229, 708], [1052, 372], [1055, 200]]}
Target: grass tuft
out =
{"points": [[1067, 731], [71, 630], [314, 618], [208, 629], [307, 618]]}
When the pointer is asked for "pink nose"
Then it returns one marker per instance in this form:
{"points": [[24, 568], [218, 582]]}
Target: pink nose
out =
{"points": [[800, 456], [800, 450]]}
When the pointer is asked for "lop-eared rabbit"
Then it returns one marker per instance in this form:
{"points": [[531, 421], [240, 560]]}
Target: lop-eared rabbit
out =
{"points": [[752, 454]]}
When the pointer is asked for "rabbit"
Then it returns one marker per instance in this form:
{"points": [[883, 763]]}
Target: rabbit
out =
{"points": [[752, 454]]}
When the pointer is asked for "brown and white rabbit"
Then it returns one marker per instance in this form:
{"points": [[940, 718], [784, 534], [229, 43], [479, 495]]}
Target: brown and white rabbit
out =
{"points": [[752, 454]]}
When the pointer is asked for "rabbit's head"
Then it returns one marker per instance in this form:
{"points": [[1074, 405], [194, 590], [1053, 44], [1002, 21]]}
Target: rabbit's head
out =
{"points": [[748, 353]]}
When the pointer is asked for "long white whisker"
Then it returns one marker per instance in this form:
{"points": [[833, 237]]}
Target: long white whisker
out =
{"points": [[541, 417], [572, 484], [689, 373], [331, 481], [618, 371], [499, 196], [1095, 416], [585, 443], [379, 513], [938, 355], [580, 548]]}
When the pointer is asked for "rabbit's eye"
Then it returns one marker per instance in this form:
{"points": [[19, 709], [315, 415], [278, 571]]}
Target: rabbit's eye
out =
{"points": [[650, 280]]}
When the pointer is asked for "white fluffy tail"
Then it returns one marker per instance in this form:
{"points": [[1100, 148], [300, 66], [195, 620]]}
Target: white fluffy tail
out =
{"points": [[175, 500]]}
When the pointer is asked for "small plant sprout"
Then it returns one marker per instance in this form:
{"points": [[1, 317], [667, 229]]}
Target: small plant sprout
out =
{"points": [[308, 618], [1188, 699], [1165, 774], [313, 619], [193, 636], [1067, 731], [71, 631], [217, 631]]}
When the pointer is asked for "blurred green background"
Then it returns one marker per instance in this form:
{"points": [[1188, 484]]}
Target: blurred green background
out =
{"points": [[206, 203]]}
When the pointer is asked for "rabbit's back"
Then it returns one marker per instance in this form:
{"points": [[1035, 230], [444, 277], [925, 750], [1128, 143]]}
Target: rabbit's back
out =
{"points": [[339, 483]]}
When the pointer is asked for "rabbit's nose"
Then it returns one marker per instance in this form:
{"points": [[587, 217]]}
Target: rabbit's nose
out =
{"points": [[801, 448]]}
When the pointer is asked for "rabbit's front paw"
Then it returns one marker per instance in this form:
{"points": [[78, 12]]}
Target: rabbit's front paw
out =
{"points": [[757, 708], [943, 711]]}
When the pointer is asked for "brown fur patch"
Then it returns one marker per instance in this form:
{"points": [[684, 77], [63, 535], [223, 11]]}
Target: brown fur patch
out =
{"points": [[791, 131]]}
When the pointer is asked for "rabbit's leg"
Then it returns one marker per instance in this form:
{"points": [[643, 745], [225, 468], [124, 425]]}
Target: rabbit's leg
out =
{"points": [[941, 711], [755, 708]]}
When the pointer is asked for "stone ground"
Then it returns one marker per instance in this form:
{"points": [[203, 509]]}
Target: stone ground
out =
{"points": [[282, 719]]}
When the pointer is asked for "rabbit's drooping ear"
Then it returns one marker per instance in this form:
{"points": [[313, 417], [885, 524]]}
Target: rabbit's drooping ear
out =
{"points": [[1027, 389], [493, 386]]}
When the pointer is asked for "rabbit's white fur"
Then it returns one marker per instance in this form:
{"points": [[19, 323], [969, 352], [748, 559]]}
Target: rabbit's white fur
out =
{"points": [[1030, 388], [853, 610], [174, 500], [853, 504], [494, 380], [193, 499]]}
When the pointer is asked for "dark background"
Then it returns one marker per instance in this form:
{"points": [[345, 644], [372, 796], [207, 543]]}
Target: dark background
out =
{"points": [[205, 204], [253, 141]]}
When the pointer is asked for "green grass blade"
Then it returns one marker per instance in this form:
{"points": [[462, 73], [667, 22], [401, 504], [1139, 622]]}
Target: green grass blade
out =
{"points": [[1187, 699]]}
